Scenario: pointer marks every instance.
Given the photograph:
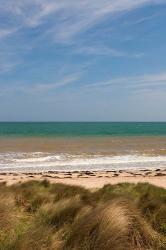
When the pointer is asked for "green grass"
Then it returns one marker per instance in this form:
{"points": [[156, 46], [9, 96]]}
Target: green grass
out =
{"points": [[43, 216]]}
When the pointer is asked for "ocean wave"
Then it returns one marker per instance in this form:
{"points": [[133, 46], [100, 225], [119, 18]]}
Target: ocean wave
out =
{"points": [[38, 161]]}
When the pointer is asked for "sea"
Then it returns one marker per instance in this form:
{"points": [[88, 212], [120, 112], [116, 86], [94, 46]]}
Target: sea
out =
{"points": [[81, 146]]}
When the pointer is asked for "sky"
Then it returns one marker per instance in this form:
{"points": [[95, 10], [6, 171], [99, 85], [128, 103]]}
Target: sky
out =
{"points": [[83, 60]]}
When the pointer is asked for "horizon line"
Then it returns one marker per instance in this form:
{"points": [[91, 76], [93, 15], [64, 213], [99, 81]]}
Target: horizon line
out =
{"points": [[106, 121]]}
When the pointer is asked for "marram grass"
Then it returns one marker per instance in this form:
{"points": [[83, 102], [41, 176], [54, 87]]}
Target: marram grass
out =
{"points": [[43, 216]]}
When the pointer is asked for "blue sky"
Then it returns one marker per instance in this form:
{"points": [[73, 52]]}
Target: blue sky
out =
{"points": [[91, 60]]}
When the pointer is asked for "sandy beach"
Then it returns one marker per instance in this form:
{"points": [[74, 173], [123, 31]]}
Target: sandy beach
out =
{"points": [[90, 179], [90, 162]]}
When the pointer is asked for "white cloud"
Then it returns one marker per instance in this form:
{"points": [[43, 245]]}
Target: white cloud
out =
{"points": [[62, 21], [7, 32], [40, 88], [68, 17], [106, 51], [51, 86], [134, 83], [6, 66]]}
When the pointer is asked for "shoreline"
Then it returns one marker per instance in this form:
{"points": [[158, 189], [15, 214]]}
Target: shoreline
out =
{"points": [[89, 179]]}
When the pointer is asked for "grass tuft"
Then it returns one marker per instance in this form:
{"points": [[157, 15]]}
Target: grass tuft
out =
{"points": [[39, 215]]}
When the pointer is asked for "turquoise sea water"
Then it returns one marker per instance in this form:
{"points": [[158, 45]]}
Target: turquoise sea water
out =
{"points": [[81, 129]]}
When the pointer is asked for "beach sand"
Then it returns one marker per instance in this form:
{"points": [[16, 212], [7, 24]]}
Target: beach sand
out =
{"points": [[90, 179]]}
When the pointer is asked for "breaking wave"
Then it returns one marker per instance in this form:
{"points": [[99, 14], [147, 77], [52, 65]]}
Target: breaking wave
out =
{"points": [[39, 161]]}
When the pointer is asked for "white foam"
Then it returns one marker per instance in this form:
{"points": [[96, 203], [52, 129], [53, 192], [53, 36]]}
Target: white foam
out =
{"points": [[38, 161]]}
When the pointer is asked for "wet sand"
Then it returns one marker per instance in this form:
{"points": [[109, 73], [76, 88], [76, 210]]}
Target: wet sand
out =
{"points": [[90, 179]]}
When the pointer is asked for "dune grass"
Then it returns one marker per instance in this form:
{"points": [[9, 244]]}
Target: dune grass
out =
{"points": [[43, 216]]}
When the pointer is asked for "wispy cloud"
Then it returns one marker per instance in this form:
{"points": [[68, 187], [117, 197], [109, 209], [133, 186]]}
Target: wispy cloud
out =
{"points": [[40, 88], [70, 79], [68, 17], [7, 32], [133, 83], [62, 22], [106, 51], [6, 66]]}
